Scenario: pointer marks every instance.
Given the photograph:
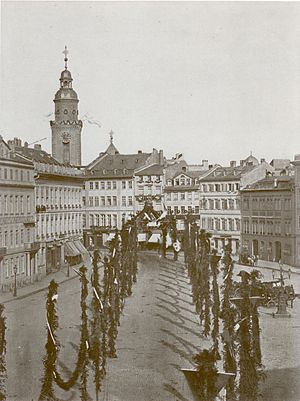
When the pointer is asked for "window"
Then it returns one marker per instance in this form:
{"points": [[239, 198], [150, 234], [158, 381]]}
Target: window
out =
{"points": [[140, 190], [96, 200], [176, 210], [109, 220], [102, 200], [182, 210], [5, 173], [114, 185], [130, 202], [115, 220], [16, 175], [11, 174], [130, 184], [28, 205], [108, 185], [182, 196], [96, 185], [168, 196], [102, 184], [123, 200], [175, 196], [182, 181], [91, 185], [114, 201], [224, 224], [197, 209], [108, 200], [91, 201], [169, 209], [123, 184], [196, 196], [83, 200], [22, 264], [190, 196], [17, 237]]}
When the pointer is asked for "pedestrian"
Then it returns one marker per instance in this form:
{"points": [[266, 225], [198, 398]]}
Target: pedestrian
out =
{"points": [[289, 273], [292, 295]]}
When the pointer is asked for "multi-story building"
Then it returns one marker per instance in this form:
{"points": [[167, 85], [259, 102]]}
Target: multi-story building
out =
{"points": [[268, 224], [296, 164], [220, 199], [182, 194], [18, 246], [110, 189], [149, 187], [58, 207]]}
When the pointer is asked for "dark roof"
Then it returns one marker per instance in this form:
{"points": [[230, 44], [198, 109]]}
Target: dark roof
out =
{"points": [[274, 183], [154, 169], [227, 173], [179, 188], [191, 174], [109, 174], [119, 162], [37, 155]]}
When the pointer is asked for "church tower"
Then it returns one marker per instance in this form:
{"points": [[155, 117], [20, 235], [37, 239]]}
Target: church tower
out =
{"points": [[66, 128]]}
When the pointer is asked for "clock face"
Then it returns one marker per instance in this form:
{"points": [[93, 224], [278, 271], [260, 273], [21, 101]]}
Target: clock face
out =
{"points": [[66, 136]]}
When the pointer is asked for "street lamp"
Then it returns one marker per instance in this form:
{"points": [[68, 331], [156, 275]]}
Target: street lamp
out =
{"points": [[15, 287]]}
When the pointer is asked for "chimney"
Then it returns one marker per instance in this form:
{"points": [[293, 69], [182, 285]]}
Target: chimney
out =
{"points": [[262, 160], [232, 163], [140, 151], [210, 166], [25, 144], [184, 168], [205, 164], [242, 163], [38, 146], [161, 157]]}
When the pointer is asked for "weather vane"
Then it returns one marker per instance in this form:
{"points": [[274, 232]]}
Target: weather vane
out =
{"points": [[111, 135], [66, 52]]}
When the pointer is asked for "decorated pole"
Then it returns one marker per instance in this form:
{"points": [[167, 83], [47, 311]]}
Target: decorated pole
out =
{"points": [[47, 390], [2, 354], [214, 261], [228, 315]]}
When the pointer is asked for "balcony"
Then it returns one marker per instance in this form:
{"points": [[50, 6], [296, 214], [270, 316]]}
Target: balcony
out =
{"points": [[31, 247]]}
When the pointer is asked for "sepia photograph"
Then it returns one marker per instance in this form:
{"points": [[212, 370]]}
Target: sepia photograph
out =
{"points": [[149, 201]]}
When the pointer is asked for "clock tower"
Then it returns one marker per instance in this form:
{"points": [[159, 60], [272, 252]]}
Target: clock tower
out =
{"points": [[66, 128]]}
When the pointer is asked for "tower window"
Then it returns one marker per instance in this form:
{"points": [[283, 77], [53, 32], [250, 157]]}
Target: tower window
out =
{"points": [[65, 111]]}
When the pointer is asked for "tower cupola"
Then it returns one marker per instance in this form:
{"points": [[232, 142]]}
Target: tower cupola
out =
{"points": [[66, 128]]}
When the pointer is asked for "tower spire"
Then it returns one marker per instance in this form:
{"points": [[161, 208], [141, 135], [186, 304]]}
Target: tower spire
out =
{"points": [[66, 52], [111, 136]]}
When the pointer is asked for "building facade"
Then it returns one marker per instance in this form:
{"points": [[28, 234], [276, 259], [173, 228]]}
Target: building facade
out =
{"points": [[268, 224], [66, 127], [182, 195], [296, 164], [58, 207], [18, 246], [220, 212], [110, 189]]}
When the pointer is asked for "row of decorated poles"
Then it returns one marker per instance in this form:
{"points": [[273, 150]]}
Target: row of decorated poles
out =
{"points": [[233, 319], [2, 354], [99, 320]]}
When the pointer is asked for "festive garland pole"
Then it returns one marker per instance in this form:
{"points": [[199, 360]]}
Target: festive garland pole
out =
{"points": [[255, 291], [214, 260], [206, 375], [2, 354], [248, 383], [205, 281], [47, 390], [228, 315], [96, 327]]}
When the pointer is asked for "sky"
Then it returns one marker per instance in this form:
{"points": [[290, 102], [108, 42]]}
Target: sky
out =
{"points": [[211, 80]]}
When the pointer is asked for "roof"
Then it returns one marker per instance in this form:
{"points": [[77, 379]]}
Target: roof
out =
{"points": [[227, 173], [37, 155], [118, 162], [154, 169], [274, 183], [8, 154], [111, 150]]}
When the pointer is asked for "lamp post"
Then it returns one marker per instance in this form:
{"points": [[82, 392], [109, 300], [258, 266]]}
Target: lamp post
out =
{"points": [[15, 286]]}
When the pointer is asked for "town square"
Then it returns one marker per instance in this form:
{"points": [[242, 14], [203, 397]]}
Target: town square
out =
{"points": [[150, 201]]}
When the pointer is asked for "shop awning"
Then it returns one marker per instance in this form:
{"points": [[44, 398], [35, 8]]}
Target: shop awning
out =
{"points": [[70, 249], [79, 245], [142, 237], [154, 239]]}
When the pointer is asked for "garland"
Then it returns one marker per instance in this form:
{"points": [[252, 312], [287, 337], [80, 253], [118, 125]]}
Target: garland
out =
{"points": [[206, 375], [2, 354], [228, 315]]}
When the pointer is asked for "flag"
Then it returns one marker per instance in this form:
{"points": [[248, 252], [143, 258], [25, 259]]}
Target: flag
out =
{"points": [[238, 324], [50, 332], [116, 281], [54, 297]]}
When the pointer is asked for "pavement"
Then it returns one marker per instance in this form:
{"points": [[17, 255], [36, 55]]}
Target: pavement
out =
{"points": [[59, 276]]}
